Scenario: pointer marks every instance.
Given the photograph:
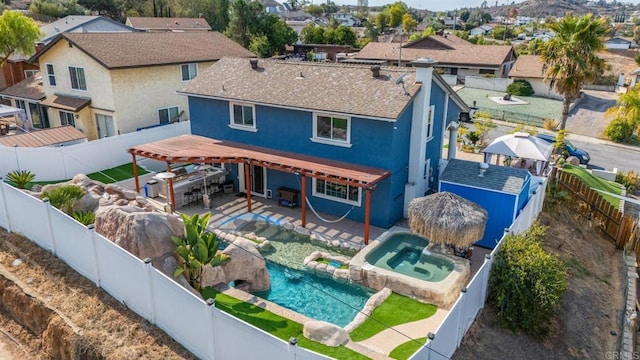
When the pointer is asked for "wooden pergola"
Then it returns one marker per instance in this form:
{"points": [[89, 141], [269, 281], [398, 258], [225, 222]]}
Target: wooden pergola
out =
{"points": [[199, 149]]}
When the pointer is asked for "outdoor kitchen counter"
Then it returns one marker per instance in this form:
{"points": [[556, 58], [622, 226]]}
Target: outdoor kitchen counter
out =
{"points": [[188, 181]]}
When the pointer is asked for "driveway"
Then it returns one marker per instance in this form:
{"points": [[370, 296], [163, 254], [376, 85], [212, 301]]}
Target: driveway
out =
{"points": [[587, 117]]}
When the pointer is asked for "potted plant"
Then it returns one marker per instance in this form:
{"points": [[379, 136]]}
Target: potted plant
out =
{"points": [[473, 138]]}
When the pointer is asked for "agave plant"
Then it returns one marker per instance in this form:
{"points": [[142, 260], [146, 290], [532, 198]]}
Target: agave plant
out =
{"points": [[21, 178], [84, 217], [197, 248], [64, 197]]}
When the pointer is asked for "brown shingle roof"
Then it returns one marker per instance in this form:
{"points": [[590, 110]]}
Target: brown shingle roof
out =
{"points": [[527, 66], [126, 50], [168, 24], [64, 102], [29, 88], [347, 89], [462, 54], [45, 137]]}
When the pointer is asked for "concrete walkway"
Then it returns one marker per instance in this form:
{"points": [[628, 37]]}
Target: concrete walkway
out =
{"points": [[387, 340]]}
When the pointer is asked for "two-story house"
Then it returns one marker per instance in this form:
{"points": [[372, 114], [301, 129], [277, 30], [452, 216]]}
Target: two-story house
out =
{"points": [[355, 140], [112, 83]]}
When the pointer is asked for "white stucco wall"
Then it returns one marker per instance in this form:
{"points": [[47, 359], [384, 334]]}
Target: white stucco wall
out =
{"points": [[140, 92], [541, 88], [487, 83]]}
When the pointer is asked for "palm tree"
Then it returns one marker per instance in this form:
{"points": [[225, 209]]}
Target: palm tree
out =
{"points": [[570, 58]]}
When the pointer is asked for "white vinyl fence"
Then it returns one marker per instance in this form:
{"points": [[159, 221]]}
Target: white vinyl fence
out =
{"points": [[447, 338], [65, 162], [201, 328]]}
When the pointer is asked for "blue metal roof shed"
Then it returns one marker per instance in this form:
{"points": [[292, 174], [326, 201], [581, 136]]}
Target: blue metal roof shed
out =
{"points": [[502, 191]]}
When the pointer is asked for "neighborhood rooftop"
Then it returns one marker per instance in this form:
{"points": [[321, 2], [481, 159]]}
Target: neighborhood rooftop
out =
{"points": [[527, 66], [136, 49], [29, 88], [334, 88], [71, 22], [168, 24]]}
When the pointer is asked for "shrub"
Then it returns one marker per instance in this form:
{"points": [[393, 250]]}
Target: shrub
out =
{"points": [[550, 124], [473, 137], [619, 130], [526, 283], [64, 198], [524, 128], [84, 217], [520, 88], [630, 180], [21, 178]]}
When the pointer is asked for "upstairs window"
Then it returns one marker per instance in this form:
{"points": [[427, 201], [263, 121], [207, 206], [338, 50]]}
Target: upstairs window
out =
{"points": [[78, 81], [243, 116], [51, 75], [332, 129], [189, 71]]}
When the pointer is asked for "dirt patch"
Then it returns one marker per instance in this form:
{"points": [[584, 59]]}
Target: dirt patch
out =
{"points": [[109, 330], [592, 307]]}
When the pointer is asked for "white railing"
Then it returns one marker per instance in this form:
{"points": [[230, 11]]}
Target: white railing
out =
{"points": [[65, 162], [447, 338], [206, 331]]}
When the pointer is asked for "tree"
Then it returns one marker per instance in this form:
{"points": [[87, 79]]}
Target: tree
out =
{"points": [[277, 33], [371, 32], [103, 7], [330, 7], [526, 283], [314, 10], [395, 13], [427, 32], [626, 117], [19, 34], [636, 34], [196, 249], [243, 18], [219, 16], [409, 24], [381, 21], [570, 57], [344, 35], [56, 8], [512, 12]]}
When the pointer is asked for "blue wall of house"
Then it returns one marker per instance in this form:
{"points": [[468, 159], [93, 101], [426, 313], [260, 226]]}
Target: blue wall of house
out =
{"points": [[375, 143], [500, 208], [523, 197]]}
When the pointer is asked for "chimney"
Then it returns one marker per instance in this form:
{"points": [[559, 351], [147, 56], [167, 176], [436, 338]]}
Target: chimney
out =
{"points": [[254, 63], [39, 46], [375, 71]]}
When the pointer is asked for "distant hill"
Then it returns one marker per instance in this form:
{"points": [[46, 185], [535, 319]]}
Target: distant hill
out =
{"points": [[544, 8]]}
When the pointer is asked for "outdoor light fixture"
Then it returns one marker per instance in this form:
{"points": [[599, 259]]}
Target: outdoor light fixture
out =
{"points": [[293, 340]]}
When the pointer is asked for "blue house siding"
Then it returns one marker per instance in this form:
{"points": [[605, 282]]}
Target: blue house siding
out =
{"points": [[500, 207], [375, 143], [523, 197]]}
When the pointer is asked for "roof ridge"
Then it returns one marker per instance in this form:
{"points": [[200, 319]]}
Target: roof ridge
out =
{"points": [[336, 64]]}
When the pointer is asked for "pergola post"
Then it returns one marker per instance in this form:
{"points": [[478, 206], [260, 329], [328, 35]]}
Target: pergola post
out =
{"points": [[303, 197], [135, 173], [247, 184], [367, 214], [171, 193]]}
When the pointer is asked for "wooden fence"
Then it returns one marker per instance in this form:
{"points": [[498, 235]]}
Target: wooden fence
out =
{"points": [[609, 221]]}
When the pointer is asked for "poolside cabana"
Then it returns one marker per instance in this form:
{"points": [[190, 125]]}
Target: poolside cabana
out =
{"points": [[199, 149], [520, 145]]}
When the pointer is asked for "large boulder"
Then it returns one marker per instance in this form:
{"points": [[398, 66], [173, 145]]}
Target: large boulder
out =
{"points": [[246, 267], [325, 333]]}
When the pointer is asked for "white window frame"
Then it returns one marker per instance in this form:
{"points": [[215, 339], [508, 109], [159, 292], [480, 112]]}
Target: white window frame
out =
{"points": [[167, 108], [430, 123], [84, 76], [232, 123], [323, 140], [30, 73], [315, 193], [188, 67], [64, 115], [51, 74]]}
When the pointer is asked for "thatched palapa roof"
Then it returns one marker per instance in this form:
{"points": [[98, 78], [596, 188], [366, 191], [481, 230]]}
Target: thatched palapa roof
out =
{"points": [[447, 218]]}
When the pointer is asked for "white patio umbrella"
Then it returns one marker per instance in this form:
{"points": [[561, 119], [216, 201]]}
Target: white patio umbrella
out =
{"points": [[521, 145]]}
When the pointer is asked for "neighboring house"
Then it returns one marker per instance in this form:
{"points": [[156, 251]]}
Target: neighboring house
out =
{"points": [[272, 6], [297, 26], [454, 55], [481, 30], [369, 138], [523, 20], [28, 95], [452, 23], [529, 68], [164, 24], [619, 43], [321, 51], [60, 136], [346, 19], [17, 68], [112, 83], [297, 15]]}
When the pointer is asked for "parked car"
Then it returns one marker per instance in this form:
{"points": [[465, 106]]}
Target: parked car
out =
{"points": [[582, 155]]}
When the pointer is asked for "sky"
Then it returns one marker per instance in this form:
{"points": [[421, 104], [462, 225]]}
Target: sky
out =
{"points": [[440, 5]]}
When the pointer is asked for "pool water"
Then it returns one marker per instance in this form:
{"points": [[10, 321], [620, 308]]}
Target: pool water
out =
{"points": [[405, 253], [315, 297]]}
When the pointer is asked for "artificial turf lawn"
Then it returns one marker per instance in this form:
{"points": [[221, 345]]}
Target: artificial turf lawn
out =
{"points": [[596, 183], [275, 325], [118, 173], [407, 349], [395, 310]]}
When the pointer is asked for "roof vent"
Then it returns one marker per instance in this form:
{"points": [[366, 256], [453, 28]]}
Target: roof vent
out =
{"points": [[375, 71], [254, 63], [57, 29], [483, 168]]}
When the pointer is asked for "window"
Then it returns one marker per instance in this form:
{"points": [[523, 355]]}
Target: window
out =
{"points": [[30, 73], [168, 114], [338, 192], [487, 72], [78, 81], [430, 115], [20, 104], [67, 118], [330, 129], [51, 75], [189, 71], [242, 116]]}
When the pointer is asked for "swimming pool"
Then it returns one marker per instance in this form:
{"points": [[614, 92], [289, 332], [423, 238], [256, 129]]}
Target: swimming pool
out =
{"points": [[405, 253], [315, 297]]}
